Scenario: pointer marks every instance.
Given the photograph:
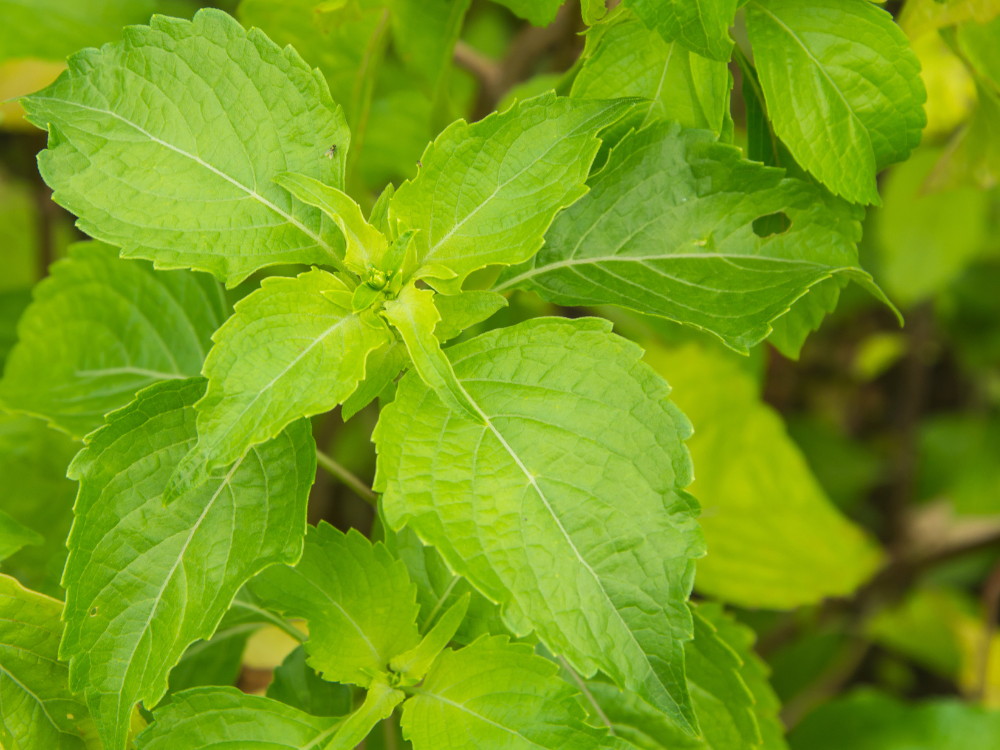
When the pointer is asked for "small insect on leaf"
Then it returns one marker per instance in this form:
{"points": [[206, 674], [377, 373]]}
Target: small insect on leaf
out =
{"points": [[332, 151]]}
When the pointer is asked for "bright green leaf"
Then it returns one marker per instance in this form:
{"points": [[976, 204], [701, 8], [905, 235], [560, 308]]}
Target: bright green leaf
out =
{"points": [[672, 227], [219, 718], [101, 328], [414, 315], [294, 348], [701, 26], [414, 664], [379, 704], [382, 367], [296, 684], [145, 580], [628, 59], [365, 244], [721, 698], [774, 539], [37, 709], [458, 705], [488, 191], [593, 11], [807, 313], [185, 179], [358, 601], [461, 311], [868, 720], [438, 589], [842, 86], [576, 473]]}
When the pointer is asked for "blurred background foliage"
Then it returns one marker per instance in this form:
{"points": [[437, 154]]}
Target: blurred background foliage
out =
{"points": [[850, 485]]}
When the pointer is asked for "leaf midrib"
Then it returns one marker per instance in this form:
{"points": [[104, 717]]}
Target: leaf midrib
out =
{"points": [[551, 267], [531, 480]]}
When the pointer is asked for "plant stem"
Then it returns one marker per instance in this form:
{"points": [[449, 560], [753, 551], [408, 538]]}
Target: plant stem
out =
{"points": [[590, 696], [339, 472]]}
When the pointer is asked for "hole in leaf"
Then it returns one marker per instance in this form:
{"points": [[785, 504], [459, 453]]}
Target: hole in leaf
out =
{"points": [[771, 224], [93, 612]]}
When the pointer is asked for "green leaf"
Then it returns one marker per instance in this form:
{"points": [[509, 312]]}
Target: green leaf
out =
{"points": [[701, 26], [185, 179], [335, 41], [14, 536], [627, 59], [754, 673], [869, 720], [12, 306], [973, 156], [297, 685], [593, 11], [379, 704], [925, 628], [145, 580], [439, 589], [424, 33], [222, 718], [671, 227], [457, 705], [918, 17], [358, 601], [365, 244], [37, 709], [414, 315], [413, 664], [924, 242], [217, 661], [99, 329], [461, 311], [488, 191], [842, 86], [37, 494], [720, 697], [807, 313], [383, 365], [537, 12], [577, 474], [774, 538], [52, 29], [294, 348], [959, 458]]}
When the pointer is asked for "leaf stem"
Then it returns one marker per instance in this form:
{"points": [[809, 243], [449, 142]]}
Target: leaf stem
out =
{"points": [[590, 696], [339, 472]]}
